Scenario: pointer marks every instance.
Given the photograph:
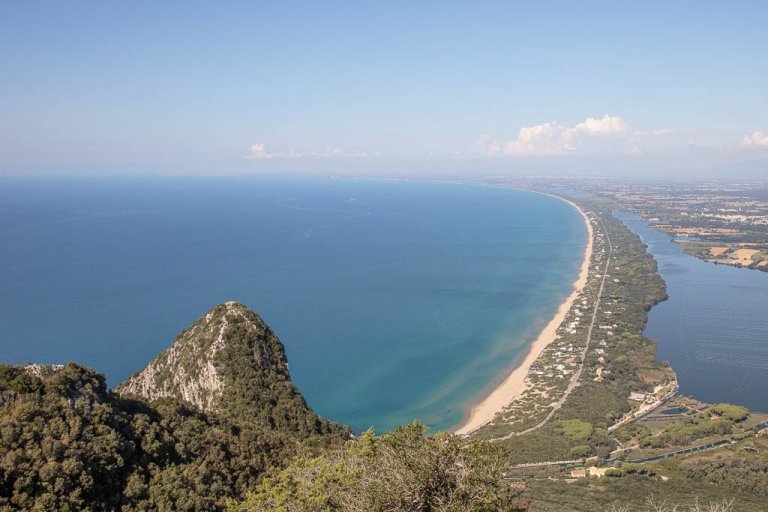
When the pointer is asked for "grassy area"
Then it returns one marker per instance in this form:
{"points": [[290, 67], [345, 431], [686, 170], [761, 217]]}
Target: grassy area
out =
{"points": [[737, 472], [606, 494], [696, 425]]}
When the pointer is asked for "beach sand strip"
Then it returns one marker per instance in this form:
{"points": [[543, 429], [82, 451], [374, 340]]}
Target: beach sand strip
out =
{"points": [[515, 383]]}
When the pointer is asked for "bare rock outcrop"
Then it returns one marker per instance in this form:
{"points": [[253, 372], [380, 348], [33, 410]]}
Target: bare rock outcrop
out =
{"points": [[228, 361]]}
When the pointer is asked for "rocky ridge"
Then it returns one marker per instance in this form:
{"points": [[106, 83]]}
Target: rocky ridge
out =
{"points": [[229, 362], [196, 428], [191, 369]]}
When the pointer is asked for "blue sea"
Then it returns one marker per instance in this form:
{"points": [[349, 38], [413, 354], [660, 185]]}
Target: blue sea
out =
{"points": [[395, 300], [714, 327]]}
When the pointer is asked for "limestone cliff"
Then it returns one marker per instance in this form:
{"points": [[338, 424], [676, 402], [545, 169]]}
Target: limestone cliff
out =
{"points": [[228, 362]]}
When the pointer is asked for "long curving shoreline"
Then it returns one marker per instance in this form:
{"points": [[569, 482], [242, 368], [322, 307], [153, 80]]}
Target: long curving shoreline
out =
{"points": [[514, 384]]}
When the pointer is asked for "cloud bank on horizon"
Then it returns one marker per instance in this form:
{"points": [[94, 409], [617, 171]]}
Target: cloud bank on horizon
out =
{"points": [[553, 138], [384, 87], [260, 152], [757, 140], [607, 135]]}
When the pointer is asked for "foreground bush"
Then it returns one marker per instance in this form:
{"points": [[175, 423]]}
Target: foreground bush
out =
{"points": [[401, 471]]}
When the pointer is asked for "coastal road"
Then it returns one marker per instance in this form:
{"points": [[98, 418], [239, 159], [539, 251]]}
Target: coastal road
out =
{"points": [[575, 379]]}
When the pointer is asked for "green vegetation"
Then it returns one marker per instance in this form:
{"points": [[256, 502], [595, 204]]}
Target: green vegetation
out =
{"points": [[69, 444], [730, 412], [575, 430], [251, 381], [581, 450], [620, 359], [632, 431], [402, 470], [741, 467], [257, 387], [744, 473], [249, 442], [639, 492], [718, 421], [710, 221], [631, 469]]}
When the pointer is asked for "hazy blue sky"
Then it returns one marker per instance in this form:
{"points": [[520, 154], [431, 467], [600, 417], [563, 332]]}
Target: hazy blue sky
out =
{"points": [[207, 87]]}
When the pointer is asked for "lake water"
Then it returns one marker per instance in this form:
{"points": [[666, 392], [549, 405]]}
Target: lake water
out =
{"points": [[714, 327], [395, 300]]}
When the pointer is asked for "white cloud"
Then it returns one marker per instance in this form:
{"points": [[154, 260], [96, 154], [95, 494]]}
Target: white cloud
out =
{"points": [[257, 152], [542, 139], [758, 140], [608, 125], [260, 152], [556, 139], [485, 144], [654, 133]]}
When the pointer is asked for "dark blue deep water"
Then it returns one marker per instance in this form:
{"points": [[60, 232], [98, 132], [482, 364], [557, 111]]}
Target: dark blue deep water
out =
{"points": [[395, 300], [714, 327]]}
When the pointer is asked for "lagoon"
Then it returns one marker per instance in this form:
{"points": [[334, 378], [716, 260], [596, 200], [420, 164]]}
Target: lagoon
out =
{"points": [[713, 329]]}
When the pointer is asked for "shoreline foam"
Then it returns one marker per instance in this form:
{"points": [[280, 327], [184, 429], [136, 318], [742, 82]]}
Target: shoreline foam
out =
{"points": [[514, 384]]}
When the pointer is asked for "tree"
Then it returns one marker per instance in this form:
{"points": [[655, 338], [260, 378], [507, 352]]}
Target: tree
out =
{"points": [[405, 470]]}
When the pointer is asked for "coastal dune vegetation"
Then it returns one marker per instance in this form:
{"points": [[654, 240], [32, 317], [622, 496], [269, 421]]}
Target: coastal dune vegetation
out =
{"points": [[619, 361]]}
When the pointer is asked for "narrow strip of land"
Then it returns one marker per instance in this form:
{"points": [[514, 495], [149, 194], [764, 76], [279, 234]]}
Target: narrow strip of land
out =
{"points": [[514, 384], [577, 374]]}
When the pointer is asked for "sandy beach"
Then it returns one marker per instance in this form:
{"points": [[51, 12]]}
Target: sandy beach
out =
{"points": [[514, 384]]}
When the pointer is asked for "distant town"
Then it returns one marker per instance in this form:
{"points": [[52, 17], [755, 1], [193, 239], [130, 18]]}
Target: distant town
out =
{"points": [[716, 221]]}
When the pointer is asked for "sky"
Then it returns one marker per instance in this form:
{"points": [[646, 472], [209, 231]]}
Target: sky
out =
{"points": [[545, 87]]}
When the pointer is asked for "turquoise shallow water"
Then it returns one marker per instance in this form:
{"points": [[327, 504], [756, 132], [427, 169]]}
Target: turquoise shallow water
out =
{"points": [[395, 300]]}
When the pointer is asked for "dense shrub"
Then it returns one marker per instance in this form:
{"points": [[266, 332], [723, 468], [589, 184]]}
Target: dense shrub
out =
{"points": [[401, 471], [69, 444]]}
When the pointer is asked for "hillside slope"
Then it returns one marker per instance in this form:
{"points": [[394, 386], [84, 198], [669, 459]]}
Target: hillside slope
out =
{"points": [[231, 363], [198, 426]]}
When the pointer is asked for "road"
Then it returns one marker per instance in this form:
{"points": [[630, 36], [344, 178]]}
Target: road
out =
{"points": [[577, 374]]}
